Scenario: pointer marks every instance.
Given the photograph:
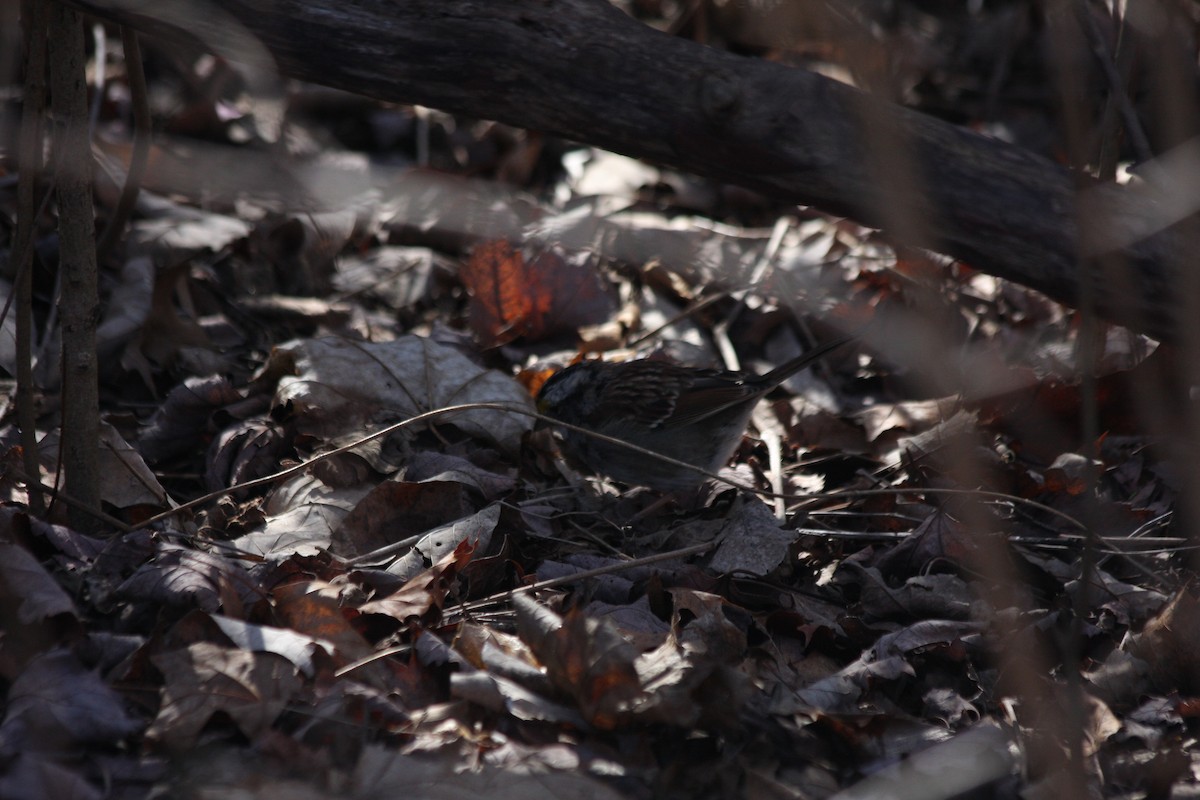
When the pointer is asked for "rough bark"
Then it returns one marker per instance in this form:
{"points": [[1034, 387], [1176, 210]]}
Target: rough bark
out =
{"points": [[79, 304], [33, 17], [581, 69]]}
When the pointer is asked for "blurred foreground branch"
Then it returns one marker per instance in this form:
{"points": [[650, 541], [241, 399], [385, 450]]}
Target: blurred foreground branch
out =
{"points": [[583, 70]]}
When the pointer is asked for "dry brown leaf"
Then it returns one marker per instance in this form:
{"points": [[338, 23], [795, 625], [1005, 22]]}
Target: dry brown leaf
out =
{"points": [[536, 297], [475, 531], [423, 595], [186, 578], [395, 510], [302, 514], [203, 678], [314, 608], [57, 701], [585, 658]]}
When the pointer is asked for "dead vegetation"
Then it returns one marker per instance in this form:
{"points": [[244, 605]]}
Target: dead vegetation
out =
{"points": [[336, 553]]}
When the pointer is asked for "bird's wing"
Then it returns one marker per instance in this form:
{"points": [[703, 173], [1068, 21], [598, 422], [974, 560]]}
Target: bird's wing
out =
{"points": [[711, 393], [644, 392]]}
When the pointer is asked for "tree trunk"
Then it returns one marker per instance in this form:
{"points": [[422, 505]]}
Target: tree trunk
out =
{"points": [[79, 304]]}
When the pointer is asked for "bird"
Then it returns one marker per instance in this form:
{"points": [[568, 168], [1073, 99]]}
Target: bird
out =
{"points": [[689, 414]]}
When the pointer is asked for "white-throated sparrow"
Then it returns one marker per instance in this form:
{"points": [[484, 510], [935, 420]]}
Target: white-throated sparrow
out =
{"points": [[692, 415]]}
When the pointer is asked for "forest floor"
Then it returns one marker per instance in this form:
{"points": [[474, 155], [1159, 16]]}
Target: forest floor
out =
{"points": [[940, 563]]}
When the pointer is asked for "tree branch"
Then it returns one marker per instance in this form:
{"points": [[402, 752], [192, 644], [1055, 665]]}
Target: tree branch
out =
{"points": [[582, 70]]}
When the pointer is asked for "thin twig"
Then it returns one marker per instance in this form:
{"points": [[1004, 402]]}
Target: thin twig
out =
{"points": [[1116, 87], [141, 145], [31, 482], [30, 165], [562, 580]]}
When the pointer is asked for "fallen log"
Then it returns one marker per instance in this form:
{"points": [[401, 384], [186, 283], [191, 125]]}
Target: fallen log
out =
{"points": [[583, 70]]}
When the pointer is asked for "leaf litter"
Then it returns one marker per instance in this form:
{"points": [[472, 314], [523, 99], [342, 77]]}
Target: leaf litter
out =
{"points": [[446, 609]]}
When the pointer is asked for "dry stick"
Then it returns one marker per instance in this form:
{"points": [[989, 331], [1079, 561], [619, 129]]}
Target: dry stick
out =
{"points": [[762, 266], [76, 224], [774, 443], [448, 410], [1112, 74], [420, 418], [683, 552], [30, 165], [23, 256], [1073, 122], [298, 468], [1161, 544], [424, 417], [772, 128], [563, 580], [141, 144], [23, 296], [130, 469], [684, 314], [985, 493], [1109, 125], [552, 583], [1114, 545], [549, 583], [371, 659], [608, 569], [123, 527], [31, 482]]}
